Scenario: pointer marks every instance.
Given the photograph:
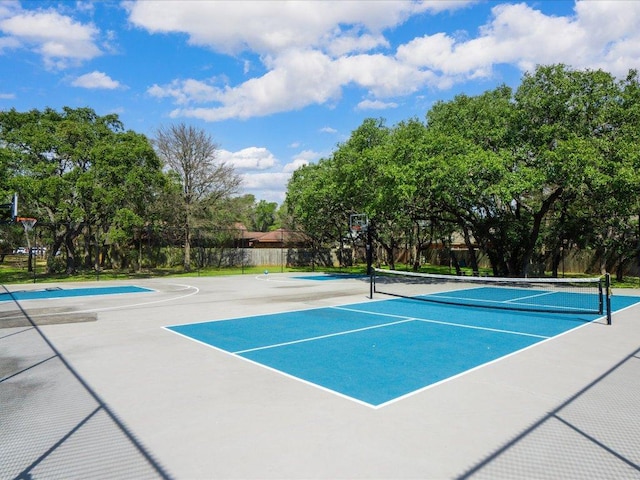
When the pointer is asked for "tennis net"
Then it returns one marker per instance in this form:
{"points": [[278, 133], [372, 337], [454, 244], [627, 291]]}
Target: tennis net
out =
{"points": [[547, 295]]}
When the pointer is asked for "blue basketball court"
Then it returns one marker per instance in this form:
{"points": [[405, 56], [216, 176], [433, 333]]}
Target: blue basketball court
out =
{"points": [[377, 352], [51, 293]]}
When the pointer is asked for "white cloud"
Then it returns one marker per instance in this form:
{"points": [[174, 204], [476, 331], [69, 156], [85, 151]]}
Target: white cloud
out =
{"points": [[598, 36], [307, 47], [382, 75], [9, 43], [522, 35], [251, 158], [356, 43], [275, 181], [294, 165], [298, 79], [269, 28], [272, 186], [266, 186], [253, 163], [84, 6], [59, 39], [376, 105], [608, 21], [328, 130], [613, 34], [301, 159], [7, 96], [96, 80], [9, 8], [186, 92], [313, 50]]}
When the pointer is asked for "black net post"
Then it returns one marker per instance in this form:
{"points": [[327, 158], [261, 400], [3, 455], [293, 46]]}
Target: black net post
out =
{"points": [[372, 283], [607, 296], [370, 269]]}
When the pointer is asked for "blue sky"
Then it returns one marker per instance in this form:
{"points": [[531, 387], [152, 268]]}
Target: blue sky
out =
{"points": [[281, 84]]}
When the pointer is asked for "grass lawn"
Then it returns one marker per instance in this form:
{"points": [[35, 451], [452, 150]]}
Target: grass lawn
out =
{"points": [[14, 269]]}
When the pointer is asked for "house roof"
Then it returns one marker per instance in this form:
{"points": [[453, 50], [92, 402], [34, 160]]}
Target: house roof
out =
{"points": [[282, 235], [278, 236]]}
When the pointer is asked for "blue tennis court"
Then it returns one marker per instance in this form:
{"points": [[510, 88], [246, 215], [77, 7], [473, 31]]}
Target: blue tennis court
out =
{"points": [[50, 293], [376, 352]]}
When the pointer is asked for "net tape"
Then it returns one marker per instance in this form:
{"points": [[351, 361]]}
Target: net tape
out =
{"points": [[497, 280]]}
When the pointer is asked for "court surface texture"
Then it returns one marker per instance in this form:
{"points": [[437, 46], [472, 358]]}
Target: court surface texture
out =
{"points": [[303, 376]]}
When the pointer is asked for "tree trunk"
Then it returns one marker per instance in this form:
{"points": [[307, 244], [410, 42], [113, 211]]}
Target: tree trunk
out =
{"points": [[71, 255], [187, 248]]}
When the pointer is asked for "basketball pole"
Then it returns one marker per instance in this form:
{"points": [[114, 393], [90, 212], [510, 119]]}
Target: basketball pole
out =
{"points": [[607, 298], [370, 257]]}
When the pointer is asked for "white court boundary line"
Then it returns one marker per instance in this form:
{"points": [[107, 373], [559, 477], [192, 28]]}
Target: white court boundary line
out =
{"points": [[195, 290], [403, 319], [523, 306], [442, 322], [271, 369], [328, 335]]}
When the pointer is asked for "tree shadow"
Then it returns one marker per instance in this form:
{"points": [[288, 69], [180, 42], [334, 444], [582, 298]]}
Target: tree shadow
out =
{"points": [[53, 423], [594, 434]]}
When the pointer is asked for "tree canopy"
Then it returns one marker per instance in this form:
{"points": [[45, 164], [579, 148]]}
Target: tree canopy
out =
{"points": [[517, 174], [95, 187]]}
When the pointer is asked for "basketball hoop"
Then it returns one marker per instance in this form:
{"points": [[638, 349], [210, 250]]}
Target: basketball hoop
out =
{"points": [[358, 222], [27, 223]]}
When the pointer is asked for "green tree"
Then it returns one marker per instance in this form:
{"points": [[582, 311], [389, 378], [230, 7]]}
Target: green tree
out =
{"points": [[314, 205], [571, 126], [237, 209], [474, 180], [522, 176], [74, 171], [264, 215], [614, 189], [127, 180], [355, 176], [525, 161]]}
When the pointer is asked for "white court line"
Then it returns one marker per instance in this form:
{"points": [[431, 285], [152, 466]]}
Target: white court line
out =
{"points": [[194, 291], [404, 319], [273, 278], [481, 302], [451, 324], [529, 296], [273, 369], [311, 339]]}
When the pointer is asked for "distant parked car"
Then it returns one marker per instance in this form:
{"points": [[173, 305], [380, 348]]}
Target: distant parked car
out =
{"points": [[21, 250]]}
